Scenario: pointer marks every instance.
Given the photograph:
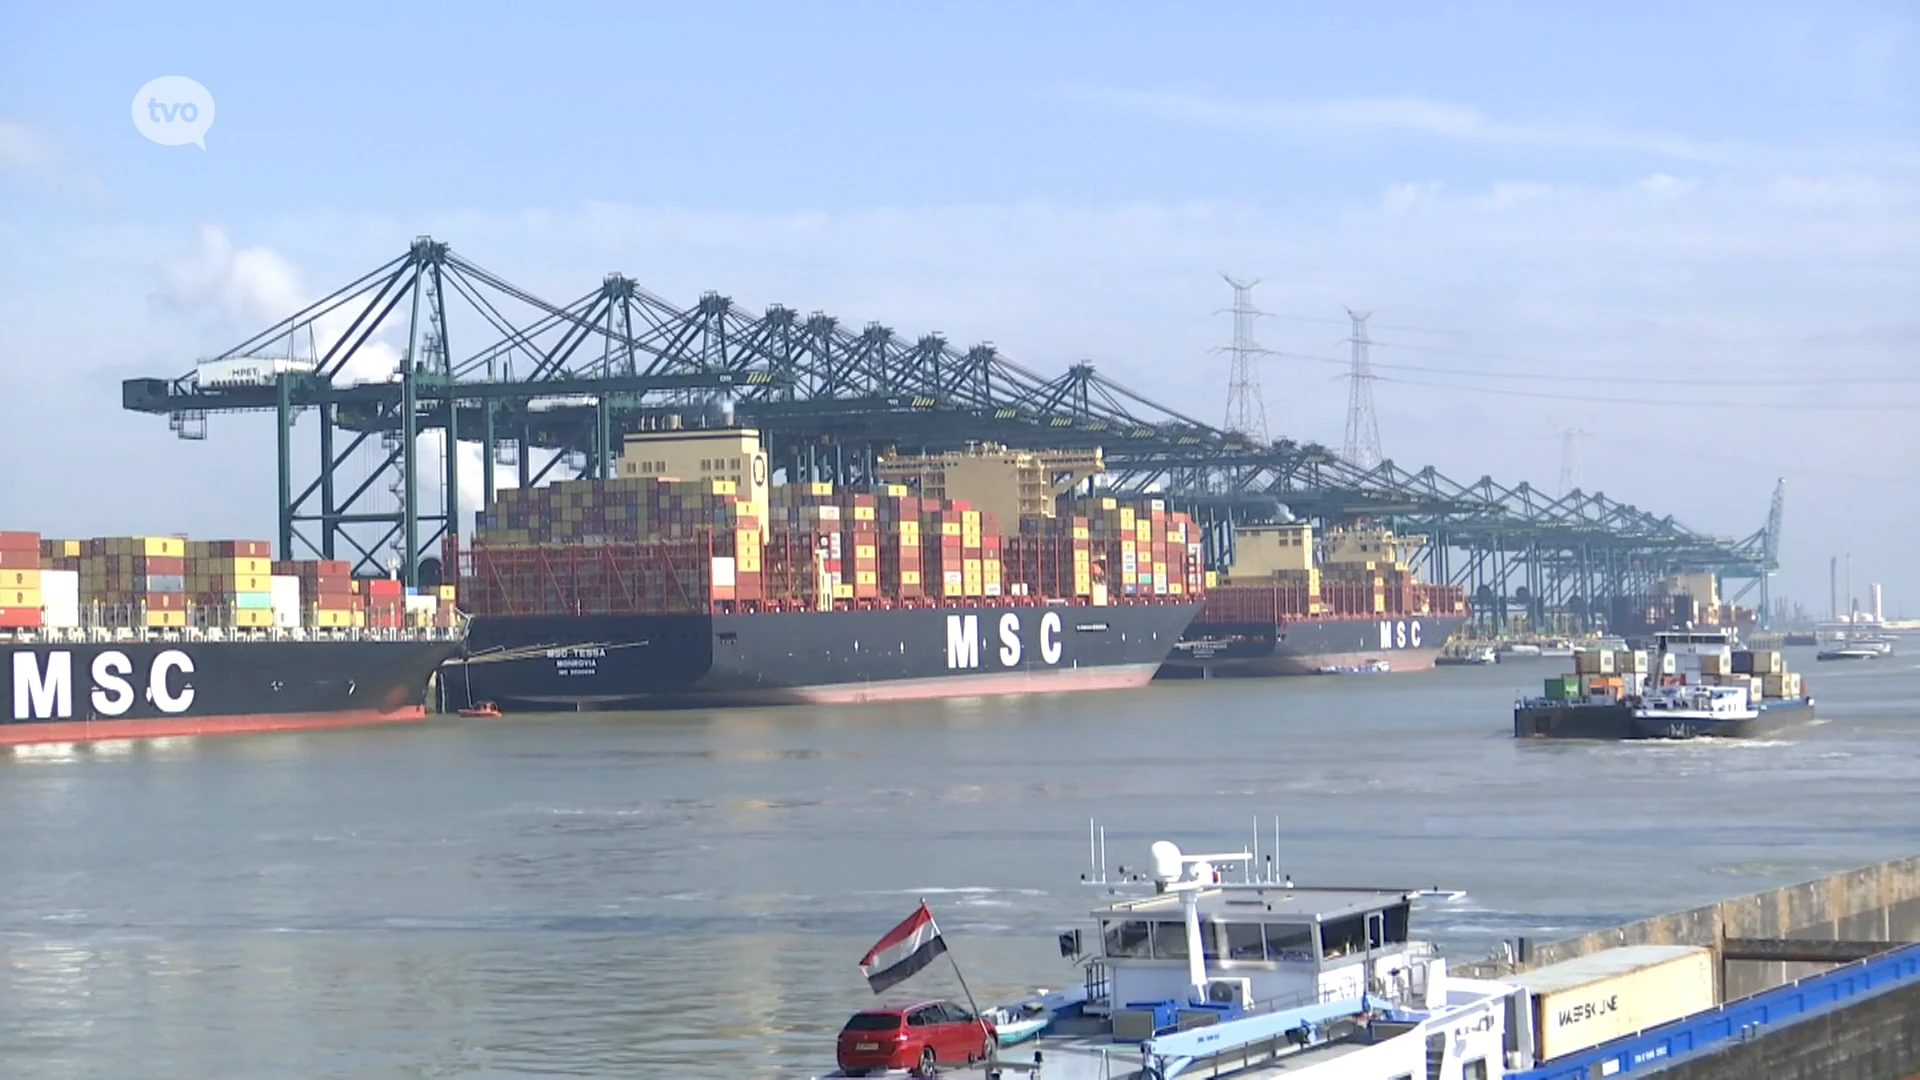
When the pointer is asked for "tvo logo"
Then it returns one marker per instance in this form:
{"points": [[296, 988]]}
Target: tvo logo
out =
{"points": [[174, 110], [46, 693]]}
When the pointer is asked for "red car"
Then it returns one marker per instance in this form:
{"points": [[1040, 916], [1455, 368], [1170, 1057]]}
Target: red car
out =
{"points": [[916, 1036]]}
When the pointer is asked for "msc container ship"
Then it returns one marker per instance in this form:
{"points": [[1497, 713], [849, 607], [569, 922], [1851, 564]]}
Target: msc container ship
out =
{"points": [[1294, 604], [688, 579], [142, 637]]}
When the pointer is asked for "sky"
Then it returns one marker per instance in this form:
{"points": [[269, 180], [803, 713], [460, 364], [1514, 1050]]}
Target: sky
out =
{"points": [[1688, 232]]}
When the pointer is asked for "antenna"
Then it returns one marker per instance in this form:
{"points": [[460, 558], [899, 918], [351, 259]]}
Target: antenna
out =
{"points": [[1246, 408], [1363, 426]]}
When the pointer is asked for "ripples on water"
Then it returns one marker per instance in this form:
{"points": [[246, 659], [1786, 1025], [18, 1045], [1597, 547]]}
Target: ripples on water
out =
{"points": [[596, 896]]}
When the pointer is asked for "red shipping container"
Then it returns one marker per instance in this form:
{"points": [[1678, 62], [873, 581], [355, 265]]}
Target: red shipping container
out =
{"points": [[20, 541], [19, 618], [19, 559]]}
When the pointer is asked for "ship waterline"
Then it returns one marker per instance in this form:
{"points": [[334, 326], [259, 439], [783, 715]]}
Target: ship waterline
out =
{"points": [[1303, 646], [534, 663]]}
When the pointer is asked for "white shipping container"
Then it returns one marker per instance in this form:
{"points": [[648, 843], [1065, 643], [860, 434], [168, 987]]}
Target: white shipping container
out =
{"points": [[60, 618], [283, 592], [286, 618], [1583, 1002], [723, 572], [427, 604], [60, 588]]}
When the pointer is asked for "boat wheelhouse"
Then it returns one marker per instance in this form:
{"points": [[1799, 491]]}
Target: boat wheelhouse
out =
{"points": [[1257, 978]]}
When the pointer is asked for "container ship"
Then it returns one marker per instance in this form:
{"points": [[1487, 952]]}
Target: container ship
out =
{"points": [[1694, 682], [1292, 603], [154, 636], [689, 579]]}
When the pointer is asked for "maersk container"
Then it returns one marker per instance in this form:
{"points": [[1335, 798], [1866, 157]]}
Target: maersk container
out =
{"points": [[1592, 999]]}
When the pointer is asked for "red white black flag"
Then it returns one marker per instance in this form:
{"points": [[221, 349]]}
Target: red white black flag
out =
{"points": [[904, 950]]}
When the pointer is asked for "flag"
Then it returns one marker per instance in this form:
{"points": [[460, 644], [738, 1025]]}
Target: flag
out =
{"points": [[903, 951]]}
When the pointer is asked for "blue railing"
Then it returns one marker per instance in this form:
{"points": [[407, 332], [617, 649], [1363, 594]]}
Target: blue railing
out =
{"points": [[1735, 1020]]}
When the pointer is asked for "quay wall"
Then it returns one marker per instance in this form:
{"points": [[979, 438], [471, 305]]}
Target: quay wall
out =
{"points": [[1871, 903]]}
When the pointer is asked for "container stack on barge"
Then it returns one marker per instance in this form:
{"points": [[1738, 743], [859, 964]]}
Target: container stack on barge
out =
{"points": [[147, 636], [1693, 683], [690, 580], [1296, 604]]}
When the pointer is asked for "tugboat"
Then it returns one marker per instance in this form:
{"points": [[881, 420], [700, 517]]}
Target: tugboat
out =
{"points": [[1224, 972], [1696, 684]]}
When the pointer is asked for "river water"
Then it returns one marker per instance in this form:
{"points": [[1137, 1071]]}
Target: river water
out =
{"points": [[687, 895]]}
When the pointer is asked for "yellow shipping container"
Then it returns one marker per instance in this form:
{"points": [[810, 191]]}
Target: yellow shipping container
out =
{"points": [[359, 620], [1176, 589], [19, 579], [843, 592], [863, 513], [253, 617], [909, 577], [445, 592], [20, 598], [63, 549], [866, 577], [166, 618], [949, 528], [1591, 999], [865, 551], [1126, 519], [160, 546], [334, 619]]}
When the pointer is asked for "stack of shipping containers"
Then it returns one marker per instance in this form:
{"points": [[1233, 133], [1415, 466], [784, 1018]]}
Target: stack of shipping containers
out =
{"points": [[230, 582], [165, 582], [20, 581], [659, 545]]}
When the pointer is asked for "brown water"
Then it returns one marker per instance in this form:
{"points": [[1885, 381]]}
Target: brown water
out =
{"points": [[622, 895]]}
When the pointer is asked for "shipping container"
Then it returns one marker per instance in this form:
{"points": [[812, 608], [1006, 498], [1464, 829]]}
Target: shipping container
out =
{"points": [[1592, 999]]}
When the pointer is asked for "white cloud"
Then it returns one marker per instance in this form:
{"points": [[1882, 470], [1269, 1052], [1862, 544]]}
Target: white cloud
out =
{"points": [[1321, 120], [30, 154], [233, 293]]}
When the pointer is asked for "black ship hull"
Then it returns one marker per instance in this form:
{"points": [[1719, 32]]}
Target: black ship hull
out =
{"points": [[51, 692], [1303, 647], [1557, 720], [546, 662]]}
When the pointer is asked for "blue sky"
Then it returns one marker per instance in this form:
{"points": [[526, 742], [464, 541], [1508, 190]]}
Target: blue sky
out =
{"points": [[1725, 196]]}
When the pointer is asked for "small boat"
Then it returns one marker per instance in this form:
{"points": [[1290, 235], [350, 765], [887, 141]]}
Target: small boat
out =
{"points": [[1371, 667], [1462, 655], [484, 710], [1017, 1023]]}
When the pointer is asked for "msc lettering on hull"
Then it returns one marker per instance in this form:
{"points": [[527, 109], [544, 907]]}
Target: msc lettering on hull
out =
{"points": [[1400, 634], [43, 690], [963, 641]]}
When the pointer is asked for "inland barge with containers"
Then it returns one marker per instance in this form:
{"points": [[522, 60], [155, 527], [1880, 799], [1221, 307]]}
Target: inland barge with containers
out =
{"points": [[688, 579], [1293, 603], [157, 636], [1693, 683]]}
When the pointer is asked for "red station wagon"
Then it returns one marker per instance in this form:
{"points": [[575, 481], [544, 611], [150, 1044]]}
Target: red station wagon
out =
{"points": [[915, 1036]]}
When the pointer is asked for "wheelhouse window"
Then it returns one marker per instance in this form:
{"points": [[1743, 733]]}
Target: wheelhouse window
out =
{"points": [[1169, 941], [1245, 941], [1397, 919], [1343, 937], [1291, 943], [1129, 939]]}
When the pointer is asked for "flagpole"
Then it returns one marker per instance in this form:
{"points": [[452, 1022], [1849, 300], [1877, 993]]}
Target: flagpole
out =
{"points": [[972, 1004]]}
